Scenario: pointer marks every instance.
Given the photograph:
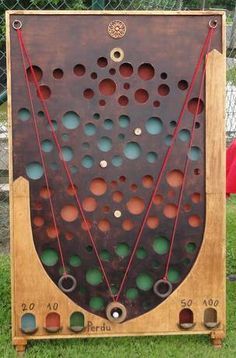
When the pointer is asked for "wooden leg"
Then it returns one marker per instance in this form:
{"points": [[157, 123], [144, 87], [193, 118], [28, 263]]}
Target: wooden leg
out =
{"points": [[20, 345], [217, 338]]}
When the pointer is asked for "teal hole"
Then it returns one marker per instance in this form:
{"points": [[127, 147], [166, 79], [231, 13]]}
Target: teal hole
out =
{"points": [[105, 144], [54, 166], [154, 125], [191, 247], [74, 169], [65, 137], [75, 261], [173, 275], [67, 153], [96, 303], [194, 153], [77, 321], [90, 129], [47, 145], [71, 120], [161, 245], [141, 253], [117, 161], [132, 293], [24, 114], [132, 150], [96, 116], [108, 124], [34, 170], [144, 281], [87, 161], [184, 135], [94, 276], [122, 249], [28, 323], [121, 137], [85, 146], [105, 255], [49, 257], [152, 157], [53, 125], [168, 140], [124, 121]]}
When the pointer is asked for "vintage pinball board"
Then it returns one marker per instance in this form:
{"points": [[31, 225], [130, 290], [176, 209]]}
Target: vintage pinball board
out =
{"points": [[116, 124]]}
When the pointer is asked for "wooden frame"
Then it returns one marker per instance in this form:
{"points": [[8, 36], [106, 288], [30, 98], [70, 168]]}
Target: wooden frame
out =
{"points": [[162, 320]]}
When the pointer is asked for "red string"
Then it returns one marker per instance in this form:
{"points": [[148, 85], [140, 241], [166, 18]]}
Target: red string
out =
{"points": [[167, 155], [186, 165], [35, 81], [42, 160]]}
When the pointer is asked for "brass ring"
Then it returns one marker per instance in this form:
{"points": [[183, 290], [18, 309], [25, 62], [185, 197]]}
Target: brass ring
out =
{"points": [[167, 288], [61, 283], [17, 24], [116, 312]]}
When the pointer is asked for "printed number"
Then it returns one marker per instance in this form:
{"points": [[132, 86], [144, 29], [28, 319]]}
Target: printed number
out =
{"points": [[26, 307], [211, 302], [52, 306], [186, 303]]}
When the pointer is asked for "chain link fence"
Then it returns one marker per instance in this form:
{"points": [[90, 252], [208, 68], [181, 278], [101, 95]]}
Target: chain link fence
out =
{"points": [[97, 5]]}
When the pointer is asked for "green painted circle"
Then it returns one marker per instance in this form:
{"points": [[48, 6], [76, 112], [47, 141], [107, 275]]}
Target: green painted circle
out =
{"points": [[122, 249], [75, 261], [173, 275], [141, 253], [49, 257], [97, 303], [132, 293], [144, 281], [105, 255], [161, 245], [191, 247], [94, 276]]}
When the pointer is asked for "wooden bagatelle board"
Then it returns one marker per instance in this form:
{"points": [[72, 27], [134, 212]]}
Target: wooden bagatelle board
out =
{"points": [[116, 125]]}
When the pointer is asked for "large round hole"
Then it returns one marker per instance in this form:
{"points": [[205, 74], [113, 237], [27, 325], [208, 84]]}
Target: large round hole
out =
{"points": [[124, 121], [107, 87], [161, 245], [141, 95], [70, 120], [132, 150], [24, 114], [69, 213], [194, 153], [94, 276], [66, 153], [175, 178], [146, 71], [104, 144], [122, 249], [163, 90], [79, 70], [43, 92], [154, 125], [38, 73], [135, 205], [89, 204], [144, 281], [49, 257], [170, 211], [87, 161], [34, 170], [195, 106], [98, 186], [126, 69]]}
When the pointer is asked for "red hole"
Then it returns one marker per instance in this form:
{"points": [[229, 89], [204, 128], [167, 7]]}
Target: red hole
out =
{"points": [[196, 197], [122, 179], [170, 211], [38, 221], [156, 104], [195, 106], [175, 178], [72, 189], [69, 236], [106, 209], [152, 222], [79, 70], [183, 85], [112, 71], [187, 208], [58, 73], [158, 199], [107, 87], [89, 204], [135, 205], [104, 225], [37, 205], [163, 90], [194, 221], [45, 192], [147, 181], [126, 69], [117, 196], [146, 71], [102, 102], [133, 187], [126, 86], [69, 213], [88, 93], [52, 232], [141, 95], [37, 72], [123, 100], [98, 186], [44, 91], [127, 225], [86, 225], [94, 75], [102, 62]]}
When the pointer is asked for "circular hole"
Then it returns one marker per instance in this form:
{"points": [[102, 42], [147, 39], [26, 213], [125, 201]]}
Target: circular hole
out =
{"points": [[49, 257], [175, 178], [88, 93], [24, 114], [126, 70], [86, 226], [85, 145], [107, 87], [187, 208], [133, 187], [98, 186], [79, 70], [69, 236], [173, 275], [67, 283], [89, 204], [94, 75], [196, 171], [194, 221], [154, 125], [156, 104], [96, 116], [34, 170], [146, 71], [117, 161], [183, 85], [45, 193], [122, 249], [196, 197], [173, 124], [74, 169], [102, 62], [144, 281], [38, 221], [184, 135], [124, 121], [170, 211], [102, 102], [43, 92], [121, 136], [57, 73], [112, 71], [117, 54], [94, 276], [71, 120], [126, 86], [152, 222], [168, 140], [104, 225], [123, 100], [89, 249], [191, 247], [38, 73], [141, 95], [131, 294], [162, 288], [152, 157], [164, 75], [195, 106], [163, 90], [105, 255], [52, 232], [75, 261], [127, 225], [52, 126], [96, 303], [147, 181], [158, 199], [47, 145], [41, 114], [141, 253], [106, 209], [132, 150], [161, 245], [66, 153], [87, 161], [122, 179], [197, 125], [69, 213], [194, 153], [65, 137], [108, 124], [37, 205], [135, 205], [89, 129], [54, 166], [104, 144]]}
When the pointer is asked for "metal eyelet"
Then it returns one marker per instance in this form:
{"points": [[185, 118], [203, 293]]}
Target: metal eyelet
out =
{"points": [[62, 280], [162, 288], [17, 24], [213, 23]]}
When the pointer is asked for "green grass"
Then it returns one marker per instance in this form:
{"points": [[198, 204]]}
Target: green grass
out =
{"points": [[231, 75], [164, 347]]}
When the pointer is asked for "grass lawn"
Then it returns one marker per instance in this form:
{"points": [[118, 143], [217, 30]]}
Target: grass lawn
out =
{"points": [[164, 347]]}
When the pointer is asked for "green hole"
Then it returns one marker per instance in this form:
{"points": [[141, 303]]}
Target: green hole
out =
{"points": [[114, 290], [70, 120], [54, 126], [194, 153], [124, 121], [108, 124], [161, 245], [94, 276], [24, 114], [87, 161], [132, 150], [49, 257], [132, 293], [105, 144], [89, 129], [141, 253], [105, 255], [144, 281], [168, 140], [67, 153], [75, 261], [152, 157], [77, 320], [173, 275], [191, 247], [154, 125], [122, 250], [34, 170], [97, 303], [156, 264], [47, 145], [184, 135], [186, 261], [116, 161]]}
